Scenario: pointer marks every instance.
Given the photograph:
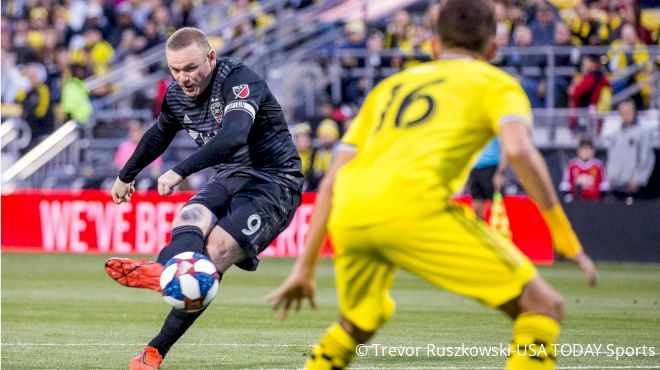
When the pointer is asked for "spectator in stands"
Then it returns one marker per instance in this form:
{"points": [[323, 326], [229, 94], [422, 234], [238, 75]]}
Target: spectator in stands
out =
{"points": [[562, 38], [126, 149], [503, 22], [625, 52], [502, 40], [355, 88], [630, 156], [515, 16], [400, 32], [13, 81], [37, 108], [355, 39], [529, 79], [123, 23], [375, 58], [152, 36], [631, 15], [590, 89], [355, 42], [543, 26], [140, 11], [162, 19], [130, 44], [182, 14], [302, 138], [327, 135], [75, 102], [586, 30], [21, 46], [98, 52], [584, 177], [244, 30], [421, 44]]}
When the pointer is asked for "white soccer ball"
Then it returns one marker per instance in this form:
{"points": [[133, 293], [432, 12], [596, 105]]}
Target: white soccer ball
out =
{"points": [[189, 281]]}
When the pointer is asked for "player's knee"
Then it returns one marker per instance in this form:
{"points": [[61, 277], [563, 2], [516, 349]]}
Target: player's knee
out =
{"points": [[195, 215], [539, 297]]}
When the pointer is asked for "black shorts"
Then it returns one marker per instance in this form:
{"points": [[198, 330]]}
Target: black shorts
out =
{"points": [[481, 182], [251, 210]]}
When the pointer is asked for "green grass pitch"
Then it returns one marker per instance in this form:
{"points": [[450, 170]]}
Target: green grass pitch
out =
{"points": [[63, 312]]}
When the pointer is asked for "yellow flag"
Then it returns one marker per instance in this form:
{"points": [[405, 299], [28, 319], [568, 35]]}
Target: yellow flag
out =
{"points": [[498, 217]]}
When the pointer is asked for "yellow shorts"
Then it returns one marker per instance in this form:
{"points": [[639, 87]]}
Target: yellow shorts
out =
{"points": [[451, 249]]}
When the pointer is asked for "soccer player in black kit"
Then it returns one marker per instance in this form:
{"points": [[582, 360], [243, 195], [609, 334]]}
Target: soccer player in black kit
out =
{"points": [[240, 130]]}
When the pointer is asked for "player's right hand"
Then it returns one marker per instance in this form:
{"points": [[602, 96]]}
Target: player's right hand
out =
{"points": [[295, 288], [587, 266], [122, 191]]}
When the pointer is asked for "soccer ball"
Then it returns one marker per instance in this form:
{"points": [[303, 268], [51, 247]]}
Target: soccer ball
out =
{"points": [[189, 281]]}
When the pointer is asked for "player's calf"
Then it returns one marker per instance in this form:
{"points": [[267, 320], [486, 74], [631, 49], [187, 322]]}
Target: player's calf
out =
{"points": [[223, 249], [536, 327]]}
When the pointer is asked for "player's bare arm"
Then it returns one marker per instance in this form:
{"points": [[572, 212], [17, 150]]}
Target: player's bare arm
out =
{"points": [[533, 172], [300, 282]]}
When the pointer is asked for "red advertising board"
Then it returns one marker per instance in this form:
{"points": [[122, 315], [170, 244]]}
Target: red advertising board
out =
{"points": [[89, 222]]}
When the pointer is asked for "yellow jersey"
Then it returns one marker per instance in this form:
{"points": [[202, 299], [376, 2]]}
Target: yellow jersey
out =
{"points": [[417, 136]]}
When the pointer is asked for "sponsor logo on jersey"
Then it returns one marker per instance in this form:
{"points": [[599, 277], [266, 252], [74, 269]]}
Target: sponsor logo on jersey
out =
{"points": [[216, 109], [241, 91]]}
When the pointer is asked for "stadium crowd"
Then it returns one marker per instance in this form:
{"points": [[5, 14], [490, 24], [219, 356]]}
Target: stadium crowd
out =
{"points": [[49, 47]]}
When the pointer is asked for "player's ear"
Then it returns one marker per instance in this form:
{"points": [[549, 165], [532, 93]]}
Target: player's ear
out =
{"points": [[490, 51], [211, 55], [436, 47]]}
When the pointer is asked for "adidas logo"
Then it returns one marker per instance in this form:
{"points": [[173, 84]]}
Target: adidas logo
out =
{"points": [[187, 120]]}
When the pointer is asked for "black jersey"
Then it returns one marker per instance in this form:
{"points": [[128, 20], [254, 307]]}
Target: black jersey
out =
{"points": [[237, 124]]}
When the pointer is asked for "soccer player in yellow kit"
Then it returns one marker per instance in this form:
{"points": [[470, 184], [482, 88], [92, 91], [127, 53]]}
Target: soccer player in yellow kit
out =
{"points": [[386, 203]]}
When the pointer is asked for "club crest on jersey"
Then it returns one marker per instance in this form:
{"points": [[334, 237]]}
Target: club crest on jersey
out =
{"points": [[216, 109], [241, 91]]}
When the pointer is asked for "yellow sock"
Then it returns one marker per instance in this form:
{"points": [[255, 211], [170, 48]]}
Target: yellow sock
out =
{"points": [[532, 346], [334, 351]]}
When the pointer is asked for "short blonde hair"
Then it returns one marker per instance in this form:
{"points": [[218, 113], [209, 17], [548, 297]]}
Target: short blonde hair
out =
{"points": [[186, 36]]}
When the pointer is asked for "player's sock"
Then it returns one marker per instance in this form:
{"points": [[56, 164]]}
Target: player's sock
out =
{"points": [[186, 238], [175, 325], [531, 333], [334, 351]]}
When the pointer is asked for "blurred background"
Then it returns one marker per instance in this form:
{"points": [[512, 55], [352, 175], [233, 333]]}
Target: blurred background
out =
{"points": [[81, 80]]}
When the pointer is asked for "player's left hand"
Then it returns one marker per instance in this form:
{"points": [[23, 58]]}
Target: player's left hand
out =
{"points": [[167, 182], [587, 266], [295, 288]]}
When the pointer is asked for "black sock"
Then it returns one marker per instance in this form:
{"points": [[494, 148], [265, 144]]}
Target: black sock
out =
{"points": [[176, 323], [186, 238]]}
